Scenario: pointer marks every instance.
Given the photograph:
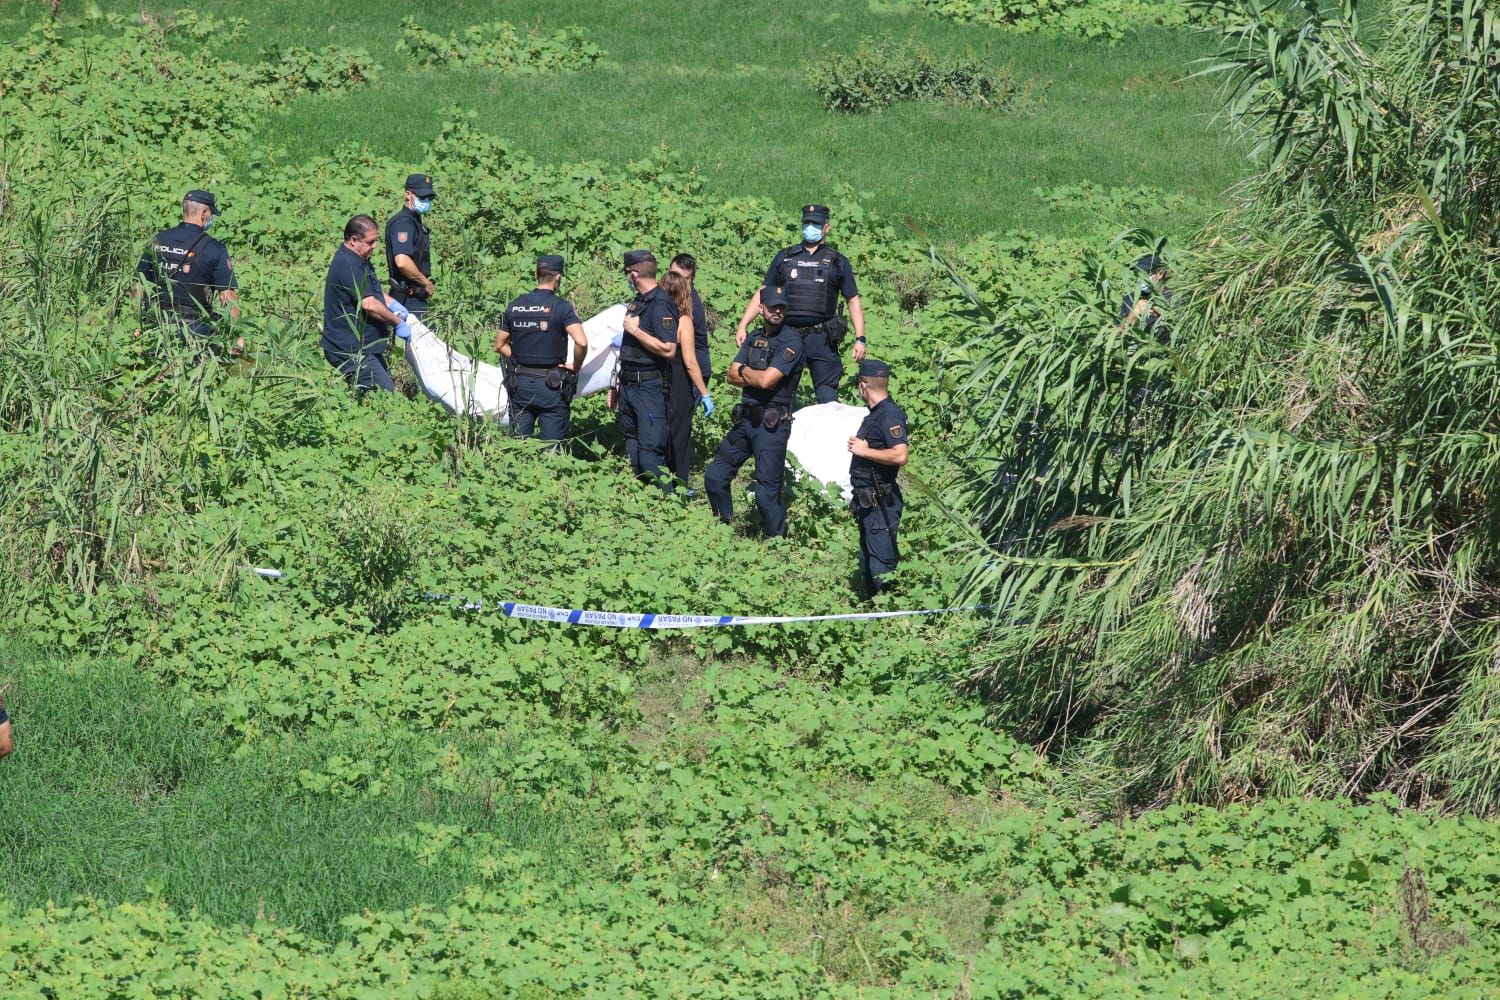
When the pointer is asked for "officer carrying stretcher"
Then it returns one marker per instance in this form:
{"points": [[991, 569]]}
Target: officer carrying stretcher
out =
{"points": [[533, 341]]}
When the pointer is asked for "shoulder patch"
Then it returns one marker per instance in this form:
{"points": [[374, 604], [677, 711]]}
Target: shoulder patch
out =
{"points": [[401, 236], [791, 352], [668, 323], [897, 431]]}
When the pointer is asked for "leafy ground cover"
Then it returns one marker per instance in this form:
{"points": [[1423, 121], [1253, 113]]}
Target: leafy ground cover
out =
{"points": [[327, 785]]}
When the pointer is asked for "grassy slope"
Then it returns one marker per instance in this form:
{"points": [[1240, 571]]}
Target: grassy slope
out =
{"points": [[724, 86]]}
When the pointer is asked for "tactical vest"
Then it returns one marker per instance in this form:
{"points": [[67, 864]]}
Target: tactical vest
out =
{"points": [[182, 286], [535, 339], [634, 357], [811, 282], [761, 350]]}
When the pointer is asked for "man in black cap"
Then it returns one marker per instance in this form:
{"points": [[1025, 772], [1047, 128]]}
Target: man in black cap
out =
{"points": [[191, 272], [767, 368], [533, 341], [814, 275], [1143, 306], [408, 248], [646, 352], [357, 315], [879, 451]]}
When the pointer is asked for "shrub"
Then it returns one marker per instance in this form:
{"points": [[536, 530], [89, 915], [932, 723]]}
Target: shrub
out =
{"points": [[881, 72], [501, 46]]}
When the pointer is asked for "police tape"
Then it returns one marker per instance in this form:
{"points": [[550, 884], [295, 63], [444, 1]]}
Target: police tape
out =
{"points": [[625, 619]]}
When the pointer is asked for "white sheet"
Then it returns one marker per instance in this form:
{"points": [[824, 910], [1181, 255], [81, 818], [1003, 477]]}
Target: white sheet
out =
{"points": [[820, 434]]}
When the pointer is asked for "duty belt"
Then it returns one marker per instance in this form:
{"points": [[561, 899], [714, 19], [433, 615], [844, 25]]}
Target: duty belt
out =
{"points": [[755, 414], [531, 370], [649, 375], [866, 497]]}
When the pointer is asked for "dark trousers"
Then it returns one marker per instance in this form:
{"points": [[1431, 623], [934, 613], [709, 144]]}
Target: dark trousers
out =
{"points": [[769, 448], [643, 421], [878, 551], [364, 371], [533, 404], [824, 365], [417, 307], [680, 402]]}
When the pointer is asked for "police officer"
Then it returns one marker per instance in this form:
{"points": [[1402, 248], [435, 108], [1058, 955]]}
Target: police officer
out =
{"points": [[646, 351], [357, 315], [878, 450], [190, 271], [533, 339], [408, 248], [814, 275], [767, 367], [1144, 305]]}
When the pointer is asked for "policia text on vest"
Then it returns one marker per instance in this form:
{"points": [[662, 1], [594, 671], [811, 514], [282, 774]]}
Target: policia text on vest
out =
{"points": [[189, 273]]}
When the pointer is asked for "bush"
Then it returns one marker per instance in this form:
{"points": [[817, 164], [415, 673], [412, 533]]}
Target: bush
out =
{"points": [[501, 46], [881, 72]]}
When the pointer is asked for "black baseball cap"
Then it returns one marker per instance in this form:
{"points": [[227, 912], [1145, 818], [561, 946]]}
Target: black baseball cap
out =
{"points": [[420, 185], [1150, 264], [815, 213], [550, 262], [772, 296], [202, 198], [870, 368], [634, 257]]}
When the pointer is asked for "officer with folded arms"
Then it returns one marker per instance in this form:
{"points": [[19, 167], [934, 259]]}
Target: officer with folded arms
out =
{"points": [[646, 351], [813, 275], [533, 341], [191, 273], [767, 368], [408, 248], [879, 451]]}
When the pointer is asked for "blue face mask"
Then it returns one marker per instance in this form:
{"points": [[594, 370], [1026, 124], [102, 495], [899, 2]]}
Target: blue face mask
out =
{"points": [[208, 223], [812, 233], [422, 205]]}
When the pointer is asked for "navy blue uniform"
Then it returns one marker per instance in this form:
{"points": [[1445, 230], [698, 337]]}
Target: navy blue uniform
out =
{"points": [[762, 427], [407, 234], [644, 381], [189, 268], [877, 500], [353, 342], [813, 281], [538, 326], [682, 396]]}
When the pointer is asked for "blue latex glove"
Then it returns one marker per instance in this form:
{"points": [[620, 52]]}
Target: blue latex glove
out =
{"points": [[402, 313], [707, 404], [403, 331]]}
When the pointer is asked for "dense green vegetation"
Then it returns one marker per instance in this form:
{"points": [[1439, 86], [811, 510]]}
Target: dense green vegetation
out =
{"points": [[325, 785]]}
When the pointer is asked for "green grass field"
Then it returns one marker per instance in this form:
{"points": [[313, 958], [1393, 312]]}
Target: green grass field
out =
{"points": [[725, 86]]}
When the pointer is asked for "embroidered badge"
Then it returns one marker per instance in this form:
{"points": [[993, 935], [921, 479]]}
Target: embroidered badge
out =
{"points": [[668, 324], [544, 324], [186, 268], [401, 237], [897, 431], [791, 352]]}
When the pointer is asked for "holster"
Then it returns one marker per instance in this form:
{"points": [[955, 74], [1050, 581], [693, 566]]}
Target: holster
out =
{"points": [[836, 328], [867, 497]]}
